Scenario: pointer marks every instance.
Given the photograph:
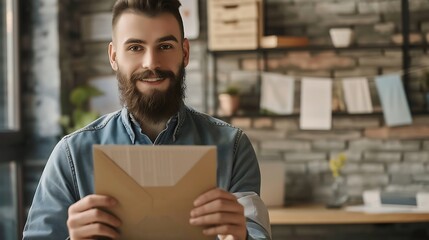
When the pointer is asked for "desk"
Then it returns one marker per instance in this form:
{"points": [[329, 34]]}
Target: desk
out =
{"points": [[319, 214]]}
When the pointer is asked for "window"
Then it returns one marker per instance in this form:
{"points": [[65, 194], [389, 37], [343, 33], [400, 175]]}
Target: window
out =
{"points": [[9, 106], [2, 67], [10, 197]]}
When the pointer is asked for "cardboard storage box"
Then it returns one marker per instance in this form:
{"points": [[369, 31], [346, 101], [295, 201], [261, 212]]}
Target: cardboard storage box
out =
{"points": [[235, 24], [274, 41]]}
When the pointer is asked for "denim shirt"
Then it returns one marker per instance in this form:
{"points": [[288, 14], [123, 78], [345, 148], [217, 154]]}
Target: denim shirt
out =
{"points": [[68, 174]]}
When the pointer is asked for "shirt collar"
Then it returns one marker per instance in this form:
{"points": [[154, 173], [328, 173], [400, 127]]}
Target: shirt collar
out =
{"points": [[133, 127]]}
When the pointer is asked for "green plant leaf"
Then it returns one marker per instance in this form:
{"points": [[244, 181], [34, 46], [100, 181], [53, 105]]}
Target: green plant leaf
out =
{"points": [[65, 121], [93, 91], [81, 95], [267, 112], [232, 90], [78, 96], [77, 115], [80, 117], [83, 118]]}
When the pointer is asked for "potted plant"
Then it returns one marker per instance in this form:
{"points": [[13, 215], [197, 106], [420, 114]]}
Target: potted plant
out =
{"points": [[229, 101], [80, 115], [338, 195]]}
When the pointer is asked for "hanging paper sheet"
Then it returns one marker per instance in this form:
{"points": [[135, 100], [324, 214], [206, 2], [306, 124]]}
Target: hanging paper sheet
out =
{"points": [[277, 93], [356, 94], [316, 104], [392, 96]]}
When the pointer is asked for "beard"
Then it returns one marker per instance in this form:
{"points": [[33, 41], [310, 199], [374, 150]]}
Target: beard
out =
{"points": [[157, 105]]}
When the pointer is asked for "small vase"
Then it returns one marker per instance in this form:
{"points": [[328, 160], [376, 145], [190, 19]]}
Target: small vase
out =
{"points": [[341, 37], [228, 104], [338, 196]]}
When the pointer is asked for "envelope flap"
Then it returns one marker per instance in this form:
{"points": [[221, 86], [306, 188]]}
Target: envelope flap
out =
{"points": [[157, 165]]}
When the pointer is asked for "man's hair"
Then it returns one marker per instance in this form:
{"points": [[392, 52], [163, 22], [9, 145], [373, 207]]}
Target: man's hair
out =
{"points": [[150, 8]]}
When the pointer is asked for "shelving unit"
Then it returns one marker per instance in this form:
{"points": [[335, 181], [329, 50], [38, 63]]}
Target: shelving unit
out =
{"points": [[263, 55]]}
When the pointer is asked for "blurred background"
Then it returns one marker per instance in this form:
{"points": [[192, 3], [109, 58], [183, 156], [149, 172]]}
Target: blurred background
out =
{"points": [[53, 62]]}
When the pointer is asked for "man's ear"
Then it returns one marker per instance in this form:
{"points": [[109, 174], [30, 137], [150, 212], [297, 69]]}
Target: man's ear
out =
{"points": [[112, 56], [185, 52]]}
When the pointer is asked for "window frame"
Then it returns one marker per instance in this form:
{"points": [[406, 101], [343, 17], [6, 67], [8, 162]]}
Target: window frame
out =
{"points": [[11, 134]]}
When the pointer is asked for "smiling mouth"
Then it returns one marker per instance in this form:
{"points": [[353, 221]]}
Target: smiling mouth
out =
{"points": [[152, 79]]}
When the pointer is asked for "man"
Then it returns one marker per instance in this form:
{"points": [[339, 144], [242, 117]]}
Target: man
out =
{"points": [[149, 54]]}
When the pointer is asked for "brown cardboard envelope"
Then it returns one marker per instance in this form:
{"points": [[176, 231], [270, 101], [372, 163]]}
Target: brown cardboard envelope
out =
{"points": [[155, 187]]}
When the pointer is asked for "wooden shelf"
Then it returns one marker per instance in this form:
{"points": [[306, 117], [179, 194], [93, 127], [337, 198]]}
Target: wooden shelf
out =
{"points": [[334, 114], [294, 115], [319, 215], [316, 48]]}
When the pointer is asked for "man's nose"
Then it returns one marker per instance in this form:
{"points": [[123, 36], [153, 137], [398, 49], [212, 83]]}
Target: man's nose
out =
{"points": [[150, 60]]}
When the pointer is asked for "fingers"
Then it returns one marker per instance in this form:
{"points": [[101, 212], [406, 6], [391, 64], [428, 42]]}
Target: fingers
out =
{"points": [[218, 205], [92, 216], [88, 220], [94, 230], [219, 213], [212, 195], [231, 224], [218, 219], [92, 201]]}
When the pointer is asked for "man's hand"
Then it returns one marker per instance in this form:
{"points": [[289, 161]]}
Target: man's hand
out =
{"points": [[221, 214], [87, 221]]}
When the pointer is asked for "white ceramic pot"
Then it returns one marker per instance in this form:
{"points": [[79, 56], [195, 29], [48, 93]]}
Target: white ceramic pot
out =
{"points": [[341, 37]]}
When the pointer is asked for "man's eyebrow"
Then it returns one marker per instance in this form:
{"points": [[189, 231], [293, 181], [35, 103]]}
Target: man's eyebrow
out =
{"points": [[134, 40], [161, 39], [168, 38]]}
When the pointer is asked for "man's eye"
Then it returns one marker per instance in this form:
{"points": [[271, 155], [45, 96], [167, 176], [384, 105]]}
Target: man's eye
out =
{"points": [[135, 48], [165, 47]]}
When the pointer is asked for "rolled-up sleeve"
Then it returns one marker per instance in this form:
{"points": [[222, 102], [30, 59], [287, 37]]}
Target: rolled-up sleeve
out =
{"points": [[245, 185], [258, 222]]}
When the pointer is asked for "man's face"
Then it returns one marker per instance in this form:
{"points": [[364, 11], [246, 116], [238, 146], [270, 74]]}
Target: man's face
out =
{"points": [[149, 57]]}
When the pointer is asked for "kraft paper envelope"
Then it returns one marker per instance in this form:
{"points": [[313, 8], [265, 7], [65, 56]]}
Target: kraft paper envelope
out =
{"points": [[155, 187]]}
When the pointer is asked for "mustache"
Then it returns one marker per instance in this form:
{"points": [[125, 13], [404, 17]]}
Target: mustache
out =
{"points": [[157, 73]]}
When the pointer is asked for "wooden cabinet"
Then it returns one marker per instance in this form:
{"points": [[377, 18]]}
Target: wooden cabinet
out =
{"points": [[234, 24]]}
